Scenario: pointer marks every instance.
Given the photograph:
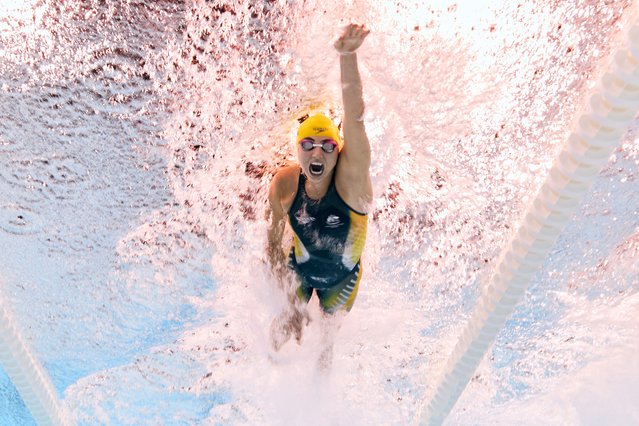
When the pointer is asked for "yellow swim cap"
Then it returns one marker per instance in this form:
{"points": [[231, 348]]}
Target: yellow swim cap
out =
{"points": [[319, 125]]}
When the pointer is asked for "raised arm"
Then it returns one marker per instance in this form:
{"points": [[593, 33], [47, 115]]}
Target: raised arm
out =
{"points": [[353, 169], [347, 45]]}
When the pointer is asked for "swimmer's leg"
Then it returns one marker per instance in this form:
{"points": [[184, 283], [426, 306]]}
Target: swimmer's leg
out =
{"points": [[303, 293], [292, 320], [330, 325], [336, 302]]}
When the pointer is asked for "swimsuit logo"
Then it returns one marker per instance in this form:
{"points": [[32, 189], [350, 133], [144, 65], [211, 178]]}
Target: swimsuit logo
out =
{"points": [[333, 221], [302, 216]]}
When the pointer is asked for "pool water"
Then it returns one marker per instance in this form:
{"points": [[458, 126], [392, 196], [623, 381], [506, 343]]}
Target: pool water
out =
{"points": [[137, 142]]}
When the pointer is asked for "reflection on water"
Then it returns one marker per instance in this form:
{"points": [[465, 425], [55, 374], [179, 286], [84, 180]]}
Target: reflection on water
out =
{"points": [[137, 141]]}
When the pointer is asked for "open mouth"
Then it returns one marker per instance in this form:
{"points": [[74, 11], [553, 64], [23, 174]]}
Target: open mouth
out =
{"points": [[316, 169]]}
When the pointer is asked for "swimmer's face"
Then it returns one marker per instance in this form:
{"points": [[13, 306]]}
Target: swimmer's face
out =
{"points": [[316, 163]]}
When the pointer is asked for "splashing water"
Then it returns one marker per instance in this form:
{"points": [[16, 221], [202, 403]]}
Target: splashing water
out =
{"points": [[137, 144]]}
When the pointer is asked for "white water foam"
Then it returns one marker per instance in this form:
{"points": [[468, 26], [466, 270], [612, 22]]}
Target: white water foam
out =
{"points": [[136, 146]]}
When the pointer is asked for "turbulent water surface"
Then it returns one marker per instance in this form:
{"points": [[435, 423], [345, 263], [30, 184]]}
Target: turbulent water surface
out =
{"points": [[137, 141]]}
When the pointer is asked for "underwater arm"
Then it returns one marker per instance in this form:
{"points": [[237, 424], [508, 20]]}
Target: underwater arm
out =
{"points": [[275, 232]]}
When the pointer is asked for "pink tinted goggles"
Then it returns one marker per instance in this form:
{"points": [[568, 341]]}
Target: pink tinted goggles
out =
{"points": [[327, 145]]}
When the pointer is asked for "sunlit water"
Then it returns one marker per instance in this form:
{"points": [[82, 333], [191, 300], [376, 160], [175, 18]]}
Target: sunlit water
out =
{"points": [[136, 145]]}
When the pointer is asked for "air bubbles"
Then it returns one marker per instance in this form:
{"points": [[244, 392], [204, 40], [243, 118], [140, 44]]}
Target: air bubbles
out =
{"points": [[19, 220], [54, 177]]}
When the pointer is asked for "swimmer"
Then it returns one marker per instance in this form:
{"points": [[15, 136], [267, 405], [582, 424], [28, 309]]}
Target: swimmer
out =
{"points": [[325, 198]]}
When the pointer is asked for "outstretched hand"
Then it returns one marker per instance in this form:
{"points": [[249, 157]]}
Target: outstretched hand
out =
{"points": [[351, 39]]}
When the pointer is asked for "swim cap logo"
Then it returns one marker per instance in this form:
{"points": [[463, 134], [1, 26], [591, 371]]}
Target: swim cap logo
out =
{"points": [[319, 130]]}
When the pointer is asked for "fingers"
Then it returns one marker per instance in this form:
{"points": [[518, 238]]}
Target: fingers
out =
{"points": [[355, 31], [352, 38], [351, 30]]}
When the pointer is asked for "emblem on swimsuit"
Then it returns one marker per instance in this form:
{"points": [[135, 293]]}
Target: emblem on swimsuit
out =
{"points": [[302, 216], [333, 221]]}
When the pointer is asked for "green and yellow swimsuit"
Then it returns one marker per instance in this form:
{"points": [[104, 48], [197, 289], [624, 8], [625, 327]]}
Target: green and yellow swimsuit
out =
{"points": [[328, 240]]}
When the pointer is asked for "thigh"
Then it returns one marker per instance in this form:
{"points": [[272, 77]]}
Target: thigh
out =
{"points": [[342, 295], [304, 292]]}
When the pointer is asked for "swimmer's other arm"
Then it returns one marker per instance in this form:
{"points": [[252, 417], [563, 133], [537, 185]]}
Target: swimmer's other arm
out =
{"points": [[277, 216]]}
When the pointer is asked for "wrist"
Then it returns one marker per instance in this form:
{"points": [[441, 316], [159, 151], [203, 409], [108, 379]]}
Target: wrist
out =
{"points": [[346, 53]]}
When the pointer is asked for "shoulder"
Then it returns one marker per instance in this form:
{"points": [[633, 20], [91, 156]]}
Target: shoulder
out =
{"points": [[286, 177], [284, 186]]}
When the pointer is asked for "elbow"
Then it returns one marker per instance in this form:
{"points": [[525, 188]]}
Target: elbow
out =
{"points": [[355, 115]]}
